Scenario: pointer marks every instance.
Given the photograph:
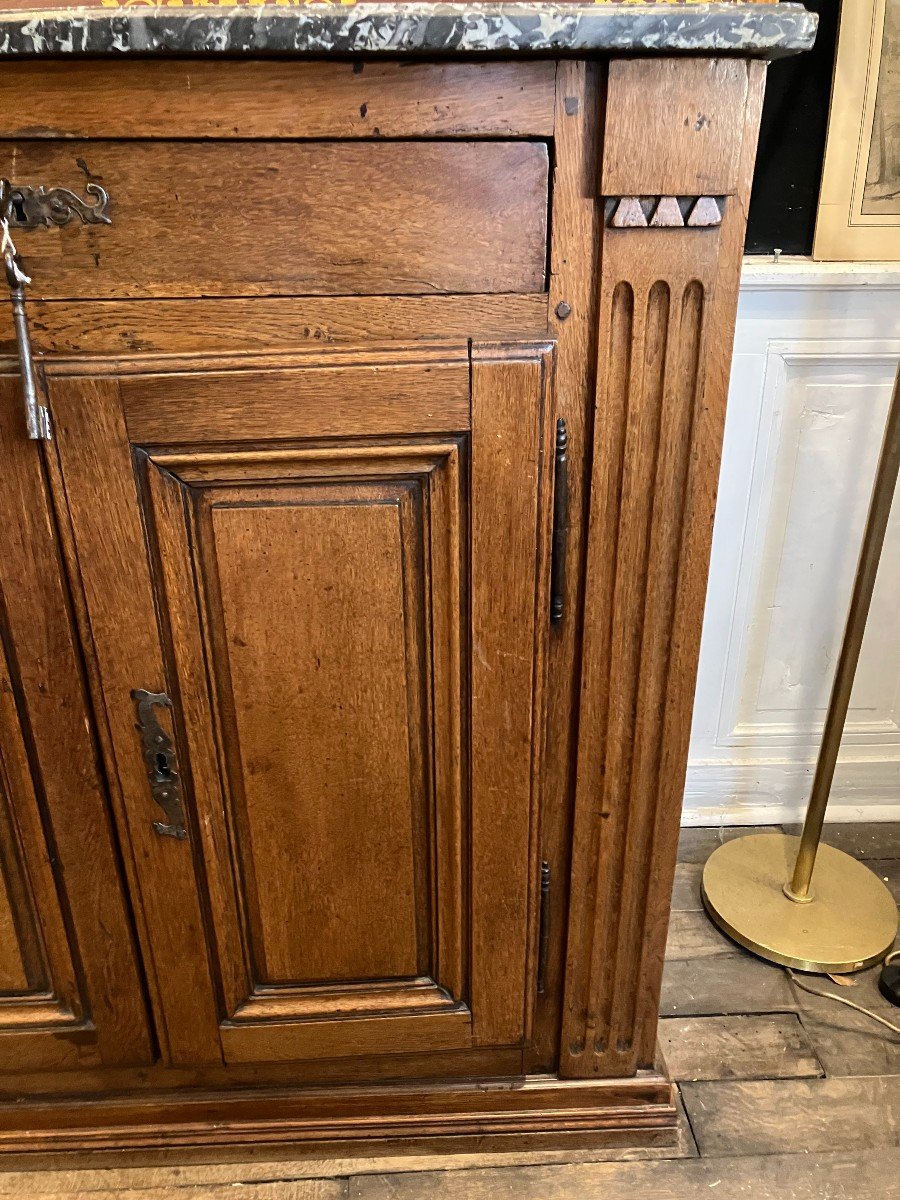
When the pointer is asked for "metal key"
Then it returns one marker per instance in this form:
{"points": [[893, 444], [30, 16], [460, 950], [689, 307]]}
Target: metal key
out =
{"points": [[37, 418]]}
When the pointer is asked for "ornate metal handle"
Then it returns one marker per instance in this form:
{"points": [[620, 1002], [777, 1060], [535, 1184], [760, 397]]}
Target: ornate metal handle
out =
{"points": [[560, 523], [162, 765], [32, 207]]}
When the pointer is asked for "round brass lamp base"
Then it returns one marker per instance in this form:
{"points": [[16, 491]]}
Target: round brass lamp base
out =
{"points": [[849, 922]]}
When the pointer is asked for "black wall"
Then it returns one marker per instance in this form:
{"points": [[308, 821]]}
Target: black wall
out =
{"points": [[791, 144]]}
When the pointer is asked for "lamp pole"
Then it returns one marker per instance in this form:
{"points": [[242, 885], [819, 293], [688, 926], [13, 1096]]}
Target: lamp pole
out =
{"points": [[863, 586]]}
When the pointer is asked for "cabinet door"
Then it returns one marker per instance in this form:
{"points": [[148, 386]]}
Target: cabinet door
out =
{"points": [[323, 579], [70, 992]]}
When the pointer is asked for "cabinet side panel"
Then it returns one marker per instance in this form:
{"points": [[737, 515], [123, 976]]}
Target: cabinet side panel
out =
{"points": [[700, 504], [667, 298]]}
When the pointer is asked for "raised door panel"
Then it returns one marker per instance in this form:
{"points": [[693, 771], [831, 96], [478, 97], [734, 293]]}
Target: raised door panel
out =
{"points": [[331, 571], [304, 580], [344, 663], [13, 976], [22, 966], [39, 992]]}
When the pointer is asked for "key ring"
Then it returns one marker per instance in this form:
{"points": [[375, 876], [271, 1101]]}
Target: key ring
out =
{"points": [[6, 208], [15, 276], [6, 242]]}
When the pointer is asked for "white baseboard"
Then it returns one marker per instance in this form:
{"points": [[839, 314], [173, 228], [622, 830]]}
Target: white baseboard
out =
{"points": [[785, 814], [771, 792]]}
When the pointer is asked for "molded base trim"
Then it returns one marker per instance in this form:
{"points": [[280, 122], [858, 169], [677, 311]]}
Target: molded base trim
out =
{"points": [[640, 1110]]}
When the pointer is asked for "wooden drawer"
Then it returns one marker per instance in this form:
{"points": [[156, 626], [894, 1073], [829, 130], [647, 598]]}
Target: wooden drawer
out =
{"points": [[290, 218]]}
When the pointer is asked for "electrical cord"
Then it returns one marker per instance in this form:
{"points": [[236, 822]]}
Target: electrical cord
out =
{"points": [[843, 1000]]}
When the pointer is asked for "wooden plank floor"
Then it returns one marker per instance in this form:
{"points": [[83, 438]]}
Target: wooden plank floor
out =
{"points": [[783, 1095]]}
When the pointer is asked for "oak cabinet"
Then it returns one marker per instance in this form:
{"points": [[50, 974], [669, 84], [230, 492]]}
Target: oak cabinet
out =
{"points": [[351, 616]]}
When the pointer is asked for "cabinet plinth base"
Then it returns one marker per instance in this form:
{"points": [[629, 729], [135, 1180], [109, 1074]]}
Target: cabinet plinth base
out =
{"points": [[538, 1111]]}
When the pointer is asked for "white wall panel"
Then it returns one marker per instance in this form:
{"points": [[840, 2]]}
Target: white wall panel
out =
{"points": [[816, 349]]}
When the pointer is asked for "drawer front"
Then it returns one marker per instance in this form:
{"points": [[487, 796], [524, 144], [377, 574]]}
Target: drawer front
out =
{"points": [[277, 218]]}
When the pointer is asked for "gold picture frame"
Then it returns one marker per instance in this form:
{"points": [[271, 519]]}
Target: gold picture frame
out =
{"points": [[859, 204]]}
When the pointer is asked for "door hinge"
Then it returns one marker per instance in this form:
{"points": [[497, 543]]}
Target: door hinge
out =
{"points": [[544, 929], [560, 523]]}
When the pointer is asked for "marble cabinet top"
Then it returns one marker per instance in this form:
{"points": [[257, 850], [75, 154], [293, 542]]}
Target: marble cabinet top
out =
{"points": [[753, 29]]}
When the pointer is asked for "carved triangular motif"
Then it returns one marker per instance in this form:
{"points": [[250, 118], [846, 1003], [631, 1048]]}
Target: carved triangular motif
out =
{"points": [[629, 214], [667, 214], [705, 213]]}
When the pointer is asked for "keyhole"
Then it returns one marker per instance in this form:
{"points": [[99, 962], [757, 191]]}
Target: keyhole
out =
{"points": [[162, 766], [18, 208]]}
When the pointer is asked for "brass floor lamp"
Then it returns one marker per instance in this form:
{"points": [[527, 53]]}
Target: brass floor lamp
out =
{"points": [[796, 901]]}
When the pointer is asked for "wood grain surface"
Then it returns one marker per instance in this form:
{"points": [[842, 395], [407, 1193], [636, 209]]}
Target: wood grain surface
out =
{"points": [[665, 309], [72, 958], [673, 128], [827, 1177], [806, 1116], [304, 391], [724, 984], [773, 1046], [118, 327], [292, 218], [101, 494], [708, 1044], [260, 99], [573, 302], [325, 400]]}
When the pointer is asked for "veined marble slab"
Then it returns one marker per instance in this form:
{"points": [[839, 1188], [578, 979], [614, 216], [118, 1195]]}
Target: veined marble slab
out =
{"points": [[760, 30]]}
